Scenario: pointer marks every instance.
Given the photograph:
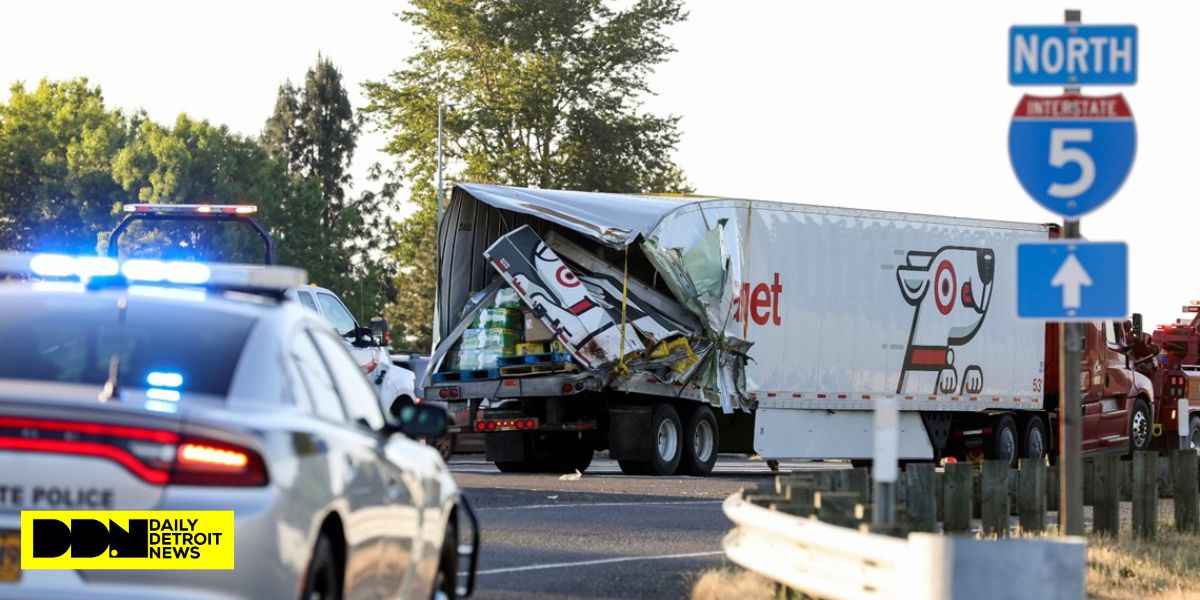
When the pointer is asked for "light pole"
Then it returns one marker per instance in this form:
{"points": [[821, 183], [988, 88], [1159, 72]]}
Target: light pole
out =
{"points": [[441, 117]]}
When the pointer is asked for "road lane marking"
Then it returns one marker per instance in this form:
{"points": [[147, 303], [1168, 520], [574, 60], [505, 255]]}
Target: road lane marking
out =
{"points": [[584, 563], [602, 504]]}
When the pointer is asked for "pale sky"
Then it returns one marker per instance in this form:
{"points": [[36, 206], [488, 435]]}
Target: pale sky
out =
{"points": [[881, 105]]}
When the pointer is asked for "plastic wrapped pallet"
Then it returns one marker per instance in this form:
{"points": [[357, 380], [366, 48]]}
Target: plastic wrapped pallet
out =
{"points": [[505, 318], [499, 339]]}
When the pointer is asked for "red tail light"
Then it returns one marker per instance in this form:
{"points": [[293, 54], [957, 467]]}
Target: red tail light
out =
{"points": [[155, 456], [201, 461], [443, 393]]}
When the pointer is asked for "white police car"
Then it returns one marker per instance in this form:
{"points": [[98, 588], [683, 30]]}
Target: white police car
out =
{"points": [[144, 385], [392, 382]]}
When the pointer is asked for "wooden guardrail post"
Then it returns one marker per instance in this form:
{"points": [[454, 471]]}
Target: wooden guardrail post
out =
{"points": [[994, 492], [1052, 487], [920, 497], [1089, 483], [957, 498], [838, 508], [939, 495], [1187, 491], [856, 480], [1145, 494], [1166, 477], [1106, 506], [1127, 481], [1031, 494]]}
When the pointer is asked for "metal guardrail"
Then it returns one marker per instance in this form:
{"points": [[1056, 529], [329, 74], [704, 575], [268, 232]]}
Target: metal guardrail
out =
{"points": [[835, 562]]}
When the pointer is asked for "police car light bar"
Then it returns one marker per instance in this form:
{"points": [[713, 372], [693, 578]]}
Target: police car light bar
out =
{"points": [[145, 271], [192, 209]]}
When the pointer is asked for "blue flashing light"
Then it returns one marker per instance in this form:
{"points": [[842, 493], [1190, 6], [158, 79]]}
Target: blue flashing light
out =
{"points": [[192, 295], [161, 394], [83, 267], [164, 379], [160, 406], [180, 272]]}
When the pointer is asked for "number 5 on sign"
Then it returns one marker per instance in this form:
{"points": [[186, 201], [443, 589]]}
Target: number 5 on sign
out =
{"points": [[1072, 153], [1061, 155]]}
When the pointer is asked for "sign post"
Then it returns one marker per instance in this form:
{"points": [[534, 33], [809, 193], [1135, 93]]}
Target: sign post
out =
{"points": [[1071, 153]]}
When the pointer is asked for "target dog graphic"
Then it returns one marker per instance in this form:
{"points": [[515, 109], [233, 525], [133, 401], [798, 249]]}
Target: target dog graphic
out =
{"points": [[950, 290]]}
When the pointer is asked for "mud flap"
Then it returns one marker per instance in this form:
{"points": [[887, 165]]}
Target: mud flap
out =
{"points": [[629, 435]]}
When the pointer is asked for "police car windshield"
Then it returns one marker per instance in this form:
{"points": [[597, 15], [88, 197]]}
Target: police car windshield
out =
{"points": [[73, 340]]}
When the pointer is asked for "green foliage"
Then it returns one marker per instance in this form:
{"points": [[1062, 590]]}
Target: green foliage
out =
{"points": [[196, 162], [57, 143], [313, 132], [546, 93]]}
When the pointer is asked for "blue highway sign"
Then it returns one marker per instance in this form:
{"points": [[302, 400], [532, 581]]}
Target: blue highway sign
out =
{"points": [[1072, 55], [1072, 153], [1072, 280]]}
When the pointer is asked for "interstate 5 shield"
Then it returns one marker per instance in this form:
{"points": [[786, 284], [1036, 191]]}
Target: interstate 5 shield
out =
{"points": [[1072, 153]]}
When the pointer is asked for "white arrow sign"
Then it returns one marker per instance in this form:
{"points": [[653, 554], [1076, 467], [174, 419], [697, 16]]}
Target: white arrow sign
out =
{"points": [[1071, 277]]}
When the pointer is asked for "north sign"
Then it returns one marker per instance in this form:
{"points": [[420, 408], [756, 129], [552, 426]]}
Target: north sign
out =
{"points": [[1072, 55]]}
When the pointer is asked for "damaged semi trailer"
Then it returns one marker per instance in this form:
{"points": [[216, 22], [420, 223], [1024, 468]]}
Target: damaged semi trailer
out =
{"points": [[668, 329]]}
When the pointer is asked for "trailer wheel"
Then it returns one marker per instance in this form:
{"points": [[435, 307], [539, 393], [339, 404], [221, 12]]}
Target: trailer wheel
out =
{"points": [[1033, 443], [1002, 444], [634, 467], [700, 443], [570, 454], [1194, 432], [666, 445], [1139, 426]]}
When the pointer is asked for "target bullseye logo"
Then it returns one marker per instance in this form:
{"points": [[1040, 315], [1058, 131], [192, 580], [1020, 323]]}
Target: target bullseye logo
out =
{"points": [[945, 287], [565, 277]]}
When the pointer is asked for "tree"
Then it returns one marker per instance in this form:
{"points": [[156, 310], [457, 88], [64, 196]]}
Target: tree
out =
{"points": [[57, 143], [314, 131], [547, 93], [195, 162]]}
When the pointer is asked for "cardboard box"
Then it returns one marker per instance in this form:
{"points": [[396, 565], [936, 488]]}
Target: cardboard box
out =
{"points": [[536, 330]]}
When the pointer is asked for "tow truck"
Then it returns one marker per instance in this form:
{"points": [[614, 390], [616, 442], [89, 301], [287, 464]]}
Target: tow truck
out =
{"points": [[1170, 357]]}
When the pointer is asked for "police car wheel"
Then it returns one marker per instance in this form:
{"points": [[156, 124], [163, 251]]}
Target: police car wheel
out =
{"points": [[324, 580], [447, 579], [445, 445]]}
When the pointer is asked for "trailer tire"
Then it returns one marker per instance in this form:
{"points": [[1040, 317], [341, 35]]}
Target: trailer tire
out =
{"points": [[701, 441], [1002, 444], [514, 466], [570, 455], [1194, 432], [666, 443], [1140, 423], [634, 467], [1034, 443]]}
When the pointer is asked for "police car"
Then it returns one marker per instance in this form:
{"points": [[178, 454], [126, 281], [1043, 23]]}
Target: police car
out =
{"points": [[150, 385], [391, 383]]}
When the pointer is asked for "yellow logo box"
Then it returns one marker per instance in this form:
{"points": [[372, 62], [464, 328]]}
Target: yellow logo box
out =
{"points": [[127, 539]]}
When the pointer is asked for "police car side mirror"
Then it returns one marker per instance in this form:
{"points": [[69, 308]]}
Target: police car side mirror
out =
{"points": [[421, 420]]}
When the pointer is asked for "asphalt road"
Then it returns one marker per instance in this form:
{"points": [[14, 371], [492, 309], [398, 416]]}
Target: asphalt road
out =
{"points": [[605, 535]]}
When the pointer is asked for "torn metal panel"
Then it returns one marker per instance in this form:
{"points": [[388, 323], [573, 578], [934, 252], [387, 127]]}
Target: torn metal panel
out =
{"points": [[615, 220], [666, 307], [710, 273], [580, 320]]}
